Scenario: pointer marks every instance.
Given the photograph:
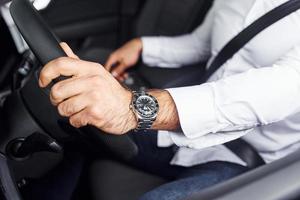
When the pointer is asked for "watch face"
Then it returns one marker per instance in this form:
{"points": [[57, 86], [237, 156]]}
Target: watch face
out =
{"points": [[146, 106]]}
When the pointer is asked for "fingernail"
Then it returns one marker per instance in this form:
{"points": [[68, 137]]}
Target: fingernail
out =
{"points": [[115, 74]]}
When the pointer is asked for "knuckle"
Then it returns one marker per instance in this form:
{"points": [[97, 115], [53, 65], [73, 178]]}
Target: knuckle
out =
{"points": [[60, 61], [96, 81], [98, 68], [73, 122], [99, 124], [43, 72], [65, 109], [61, 109], [55, 91], [46, 72], [95, 95], [78, 121], [93, 111]]}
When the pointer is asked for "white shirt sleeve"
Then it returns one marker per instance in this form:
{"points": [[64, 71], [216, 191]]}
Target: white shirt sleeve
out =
{"points": [[174, 52], [217, 112]]}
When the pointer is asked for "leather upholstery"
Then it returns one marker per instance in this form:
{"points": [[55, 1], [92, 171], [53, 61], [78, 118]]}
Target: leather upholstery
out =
{"points": [[112, 180]]}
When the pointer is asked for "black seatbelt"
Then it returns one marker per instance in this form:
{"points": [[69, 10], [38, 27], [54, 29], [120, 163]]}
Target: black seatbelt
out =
{"points": [[239, 41], [240, 147]]}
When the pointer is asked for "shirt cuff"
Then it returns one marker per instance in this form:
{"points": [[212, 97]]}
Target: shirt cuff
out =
{"points": [[164, 139], [209, 140], [197, 111], [188, 157]]}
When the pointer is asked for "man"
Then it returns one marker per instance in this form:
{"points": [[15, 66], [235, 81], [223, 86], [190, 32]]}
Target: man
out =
{"points": [[255, 95]]}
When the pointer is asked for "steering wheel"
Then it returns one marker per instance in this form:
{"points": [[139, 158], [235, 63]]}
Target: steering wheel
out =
{"points": [[45, 45]]}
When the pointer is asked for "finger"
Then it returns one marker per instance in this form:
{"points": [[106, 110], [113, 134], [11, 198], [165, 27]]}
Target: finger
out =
{"points": [[110, 62], [79, 119], [68, 50], [65, 66], [72, 106], [122, 77], [119, 70], [69, 88], [55, 68], [126, 75]]}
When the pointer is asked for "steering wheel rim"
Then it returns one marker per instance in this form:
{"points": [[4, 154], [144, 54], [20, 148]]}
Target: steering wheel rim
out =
{"points": [[45, 45], [35, 31]]}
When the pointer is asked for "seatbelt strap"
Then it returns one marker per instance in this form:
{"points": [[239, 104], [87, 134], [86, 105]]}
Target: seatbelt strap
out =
{"points": [[245, 152], [239, 41], [240, 147]]}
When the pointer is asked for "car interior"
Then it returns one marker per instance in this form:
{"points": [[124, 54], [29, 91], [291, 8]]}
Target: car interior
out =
{"points": [[34, 139]]}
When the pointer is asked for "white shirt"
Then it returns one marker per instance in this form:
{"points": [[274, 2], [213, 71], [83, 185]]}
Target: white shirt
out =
{"points": [[255, 95]]}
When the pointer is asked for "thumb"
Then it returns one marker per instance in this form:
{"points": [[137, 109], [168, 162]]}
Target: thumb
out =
{"points": [[118, 70], [68, 50], [112, 60]]}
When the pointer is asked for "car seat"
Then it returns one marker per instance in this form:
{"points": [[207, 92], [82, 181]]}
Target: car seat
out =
{"points": [[113, 180], [167, 18]]}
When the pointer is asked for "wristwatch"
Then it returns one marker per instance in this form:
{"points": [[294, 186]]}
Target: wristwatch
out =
{"points": [[145, 108]]}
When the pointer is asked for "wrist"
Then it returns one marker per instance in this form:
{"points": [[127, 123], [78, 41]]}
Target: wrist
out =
{"points": [[145, 107], [167, 117], [138, 44], [131, 120]]}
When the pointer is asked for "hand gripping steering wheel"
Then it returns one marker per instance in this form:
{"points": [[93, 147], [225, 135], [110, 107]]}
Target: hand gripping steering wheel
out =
{"points": [[44, 44]]}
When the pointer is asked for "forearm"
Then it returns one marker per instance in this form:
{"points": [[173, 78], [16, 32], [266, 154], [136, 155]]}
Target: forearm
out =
{"points": [[242, 101], [167, 118], [174, 52]]}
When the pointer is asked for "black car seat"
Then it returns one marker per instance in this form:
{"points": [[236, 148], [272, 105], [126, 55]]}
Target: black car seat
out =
{"points": [[112, 180], [167, 18]]}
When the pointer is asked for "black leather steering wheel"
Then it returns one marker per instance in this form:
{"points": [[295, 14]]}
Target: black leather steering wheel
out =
{"points": [[44, 44]]}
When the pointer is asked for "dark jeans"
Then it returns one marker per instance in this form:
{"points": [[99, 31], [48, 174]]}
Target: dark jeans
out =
{"points": [[184, 181]]}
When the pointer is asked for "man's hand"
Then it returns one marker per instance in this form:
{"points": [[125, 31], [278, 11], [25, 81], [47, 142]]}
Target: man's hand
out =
{"points": [[92, 96], [124, 58]]}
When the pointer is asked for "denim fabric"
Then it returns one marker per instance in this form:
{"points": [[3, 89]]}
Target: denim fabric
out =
{"points": [[152, 158], [191, 181], [184, 181]]}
